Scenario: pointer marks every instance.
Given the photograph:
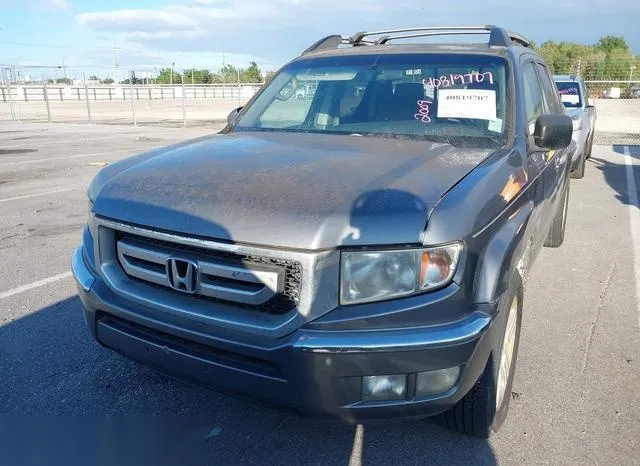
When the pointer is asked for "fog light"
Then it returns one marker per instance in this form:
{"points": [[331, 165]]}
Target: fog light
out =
{"points": [[384, 387], [434, 382]]}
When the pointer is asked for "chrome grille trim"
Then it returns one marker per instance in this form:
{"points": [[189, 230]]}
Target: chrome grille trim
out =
{"points": [[261, 282], [317, 294]]}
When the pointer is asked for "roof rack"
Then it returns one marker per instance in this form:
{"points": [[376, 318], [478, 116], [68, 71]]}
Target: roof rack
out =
{"points": [[498, 37]]}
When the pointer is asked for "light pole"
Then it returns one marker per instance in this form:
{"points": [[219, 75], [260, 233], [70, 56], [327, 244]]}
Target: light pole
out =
{"points": [[115, 63], [171, 72]]}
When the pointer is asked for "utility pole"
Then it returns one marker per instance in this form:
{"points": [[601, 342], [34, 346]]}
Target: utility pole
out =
{"points": [[115, 63], [171, 72]]}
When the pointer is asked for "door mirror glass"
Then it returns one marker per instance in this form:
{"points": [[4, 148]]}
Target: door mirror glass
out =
{"points": [[553, 131], [231, 118]]}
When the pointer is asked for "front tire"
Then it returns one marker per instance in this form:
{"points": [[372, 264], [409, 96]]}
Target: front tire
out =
{"points": [[484, 409]]}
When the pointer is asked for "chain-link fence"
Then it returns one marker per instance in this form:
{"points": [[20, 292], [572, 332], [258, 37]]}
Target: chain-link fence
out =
{"points": [[136, 101], [617, 105]]}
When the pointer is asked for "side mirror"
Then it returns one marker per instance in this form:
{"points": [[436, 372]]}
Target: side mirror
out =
{"points": [[553, 132], [231, 118]]}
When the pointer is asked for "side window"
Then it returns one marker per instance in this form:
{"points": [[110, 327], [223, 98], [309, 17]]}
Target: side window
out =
{"points": [[532, 94], [550, 91]]}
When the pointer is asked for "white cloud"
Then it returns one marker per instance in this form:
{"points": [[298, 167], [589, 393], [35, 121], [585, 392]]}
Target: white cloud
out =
{"points": [[279, 29]]}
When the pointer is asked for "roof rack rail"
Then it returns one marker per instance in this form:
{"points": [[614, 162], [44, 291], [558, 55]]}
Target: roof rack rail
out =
{"points": [[498, 37], [327, 43]]}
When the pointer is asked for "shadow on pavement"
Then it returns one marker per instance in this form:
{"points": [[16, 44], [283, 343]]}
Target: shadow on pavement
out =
{"points": [[616, 173], [68, 401]]}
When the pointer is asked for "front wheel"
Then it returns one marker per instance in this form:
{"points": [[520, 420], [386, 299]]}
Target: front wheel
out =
{"points": [[484, 409]]}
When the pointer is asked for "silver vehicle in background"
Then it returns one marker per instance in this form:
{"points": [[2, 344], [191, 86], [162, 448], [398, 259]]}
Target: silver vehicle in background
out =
{"points": [[575, 98]]}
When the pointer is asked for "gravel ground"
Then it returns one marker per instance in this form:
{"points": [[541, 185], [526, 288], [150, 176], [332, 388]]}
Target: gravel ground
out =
{"points": [[66, 400]]}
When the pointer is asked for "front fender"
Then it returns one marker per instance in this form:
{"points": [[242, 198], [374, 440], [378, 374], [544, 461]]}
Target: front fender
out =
{"points": [[508, 248]]}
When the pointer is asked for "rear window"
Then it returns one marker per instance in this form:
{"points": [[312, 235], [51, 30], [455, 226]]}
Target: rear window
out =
{"points": [[460, 99], [569, 94]]}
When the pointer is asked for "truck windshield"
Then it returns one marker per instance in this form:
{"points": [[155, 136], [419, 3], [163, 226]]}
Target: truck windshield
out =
{"points": [[569, 94], [461, 99]]}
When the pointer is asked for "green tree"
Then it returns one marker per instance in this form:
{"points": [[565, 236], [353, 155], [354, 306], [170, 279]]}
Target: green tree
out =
{"points": [[611, 43], [197, 76], [251, 74], [168, 76], [107, 81]]}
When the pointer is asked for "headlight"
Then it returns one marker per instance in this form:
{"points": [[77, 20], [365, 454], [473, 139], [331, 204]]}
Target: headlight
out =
{"points": [[577, 124], [378, 275]]}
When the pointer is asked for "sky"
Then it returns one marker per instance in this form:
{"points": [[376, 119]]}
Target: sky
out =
{"points": [[152, 34]]}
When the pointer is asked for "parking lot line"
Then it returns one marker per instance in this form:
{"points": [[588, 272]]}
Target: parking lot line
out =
{"points": [[634, 222], [36, 284], [45, 193], [4, 164], [69, 140]]}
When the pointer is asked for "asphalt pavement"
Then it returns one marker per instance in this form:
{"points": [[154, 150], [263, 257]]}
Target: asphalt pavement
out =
{"points": [[575, 400]]}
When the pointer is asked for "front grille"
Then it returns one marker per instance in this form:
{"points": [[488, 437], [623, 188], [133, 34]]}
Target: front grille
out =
{"points": [[148, 271]]}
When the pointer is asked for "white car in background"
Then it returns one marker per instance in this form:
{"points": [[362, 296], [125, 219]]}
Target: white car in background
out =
{"points": [[575, 98]]}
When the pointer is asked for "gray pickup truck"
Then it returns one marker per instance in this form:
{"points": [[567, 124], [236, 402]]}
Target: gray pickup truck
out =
{"points": [[575, 98], [357, 253]]}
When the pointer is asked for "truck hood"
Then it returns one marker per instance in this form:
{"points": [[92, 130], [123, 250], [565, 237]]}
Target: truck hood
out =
{"points": [[288, 190]]}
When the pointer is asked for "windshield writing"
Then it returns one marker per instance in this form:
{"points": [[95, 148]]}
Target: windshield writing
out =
{"points": [[459, 99]]}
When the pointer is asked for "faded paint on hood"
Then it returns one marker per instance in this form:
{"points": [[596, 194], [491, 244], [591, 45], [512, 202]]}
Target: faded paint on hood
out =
{"points": [[287, 190]]}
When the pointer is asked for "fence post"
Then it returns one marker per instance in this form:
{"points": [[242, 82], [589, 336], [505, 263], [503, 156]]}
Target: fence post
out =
{"points": [[11, 108], [133, 105], [46, 98], [184, 103], [149, 92], [86, 96], [239, 87]]}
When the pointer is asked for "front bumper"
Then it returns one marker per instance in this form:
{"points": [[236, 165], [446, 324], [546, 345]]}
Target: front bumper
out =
{"points": [[318, 373]]}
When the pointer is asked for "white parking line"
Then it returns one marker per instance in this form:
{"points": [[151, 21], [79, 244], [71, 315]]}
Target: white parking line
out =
{"points": [[30, 286], [634, 221], [71, 139], [45, 193], [93, 154]]}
